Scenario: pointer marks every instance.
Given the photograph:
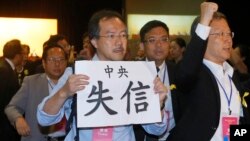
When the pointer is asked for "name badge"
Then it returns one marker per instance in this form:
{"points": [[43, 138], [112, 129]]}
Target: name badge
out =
{"points": [[103, 134], [226, 122]]}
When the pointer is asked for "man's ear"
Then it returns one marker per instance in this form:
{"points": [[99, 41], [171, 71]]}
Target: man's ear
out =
{"points": [[93, 42], [43, 63], [141, 45]]}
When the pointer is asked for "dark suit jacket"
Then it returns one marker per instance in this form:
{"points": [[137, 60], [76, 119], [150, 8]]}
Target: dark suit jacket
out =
{"points": [[8, 87], [200, 98]]}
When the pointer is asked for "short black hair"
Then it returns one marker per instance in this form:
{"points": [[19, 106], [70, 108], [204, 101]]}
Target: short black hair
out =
{"points": [[150, 25], [50, 46], [53, 39], [93, 25], [180, 41]]}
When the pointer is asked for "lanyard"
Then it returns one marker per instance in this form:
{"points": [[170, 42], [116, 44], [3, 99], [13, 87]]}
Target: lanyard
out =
{"points": [[51, 84], [164, 74], [230, 96]]}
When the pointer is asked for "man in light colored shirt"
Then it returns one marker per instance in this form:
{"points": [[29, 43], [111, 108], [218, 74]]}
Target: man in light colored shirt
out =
{"points": [[108, 34], [211, 98]]}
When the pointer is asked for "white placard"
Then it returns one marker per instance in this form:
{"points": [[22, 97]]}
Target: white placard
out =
{"points": [[119, 93]]}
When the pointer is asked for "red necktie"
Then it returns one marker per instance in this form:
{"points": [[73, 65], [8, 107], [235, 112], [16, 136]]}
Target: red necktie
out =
{"points": [[61, 125]]}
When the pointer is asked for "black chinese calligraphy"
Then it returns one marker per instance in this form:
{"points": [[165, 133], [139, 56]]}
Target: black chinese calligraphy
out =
{"points": [[108, 70], [122, 71], [100, 100], [141, 96]]}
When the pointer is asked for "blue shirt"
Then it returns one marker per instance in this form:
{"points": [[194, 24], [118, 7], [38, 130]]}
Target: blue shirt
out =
{"points": [[120, 133]]}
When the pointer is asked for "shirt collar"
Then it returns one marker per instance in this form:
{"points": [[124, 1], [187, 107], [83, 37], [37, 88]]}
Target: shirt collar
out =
{"points": [[11, 63], [161, 66], [95, 58], [219, 70]]}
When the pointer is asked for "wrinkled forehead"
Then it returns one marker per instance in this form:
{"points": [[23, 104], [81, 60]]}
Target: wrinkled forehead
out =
{"points": [[219, 25], [157, 31], [56, 51], [112, 24]]}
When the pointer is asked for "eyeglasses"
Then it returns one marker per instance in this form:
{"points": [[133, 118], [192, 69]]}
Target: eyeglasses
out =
{"points": [[113, 36], [223, 34], [154, 40], [56, 60]]}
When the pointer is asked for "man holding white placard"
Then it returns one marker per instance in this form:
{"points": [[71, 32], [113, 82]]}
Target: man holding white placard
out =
{"points": [[108, 34]]}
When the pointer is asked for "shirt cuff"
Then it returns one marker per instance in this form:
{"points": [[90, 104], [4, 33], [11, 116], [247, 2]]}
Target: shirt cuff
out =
{"points": [[45, 119], [202, 31]]}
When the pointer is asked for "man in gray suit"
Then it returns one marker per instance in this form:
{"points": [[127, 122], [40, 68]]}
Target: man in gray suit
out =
{"points": [[34, 88]]}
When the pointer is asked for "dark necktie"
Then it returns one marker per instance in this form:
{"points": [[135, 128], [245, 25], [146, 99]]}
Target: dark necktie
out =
{"points": [[157, 69]]}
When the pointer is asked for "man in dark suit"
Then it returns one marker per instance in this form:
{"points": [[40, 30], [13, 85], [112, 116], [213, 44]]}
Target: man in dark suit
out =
{"points": [[211, 95], [155, 41], [12, 57]]}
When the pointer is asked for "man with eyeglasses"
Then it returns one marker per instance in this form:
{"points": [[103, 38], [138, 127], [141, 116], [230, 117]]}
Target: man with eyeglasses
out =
{"points": [[212, 98], [33, 90], [61, 40], [108, 34], [154, 37]]}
